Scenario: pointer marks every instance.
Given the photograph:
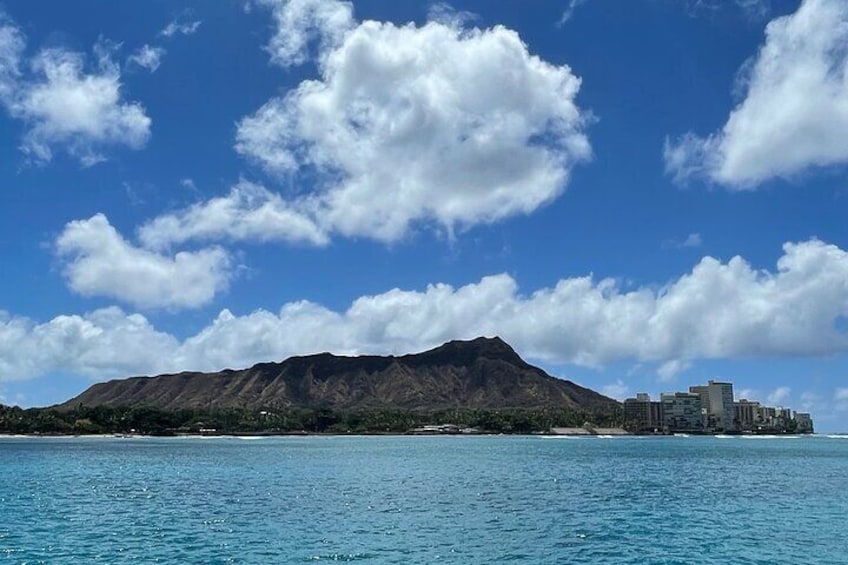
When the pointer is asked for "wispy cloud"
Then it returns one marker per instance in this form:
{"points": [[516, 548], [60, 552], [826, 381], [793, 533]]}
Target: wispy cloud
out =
{"points": [[177, 27], [148, 57], [618, 390], [669, 370], [446, 14], [779, 395], [691, 241], [569, 12]]}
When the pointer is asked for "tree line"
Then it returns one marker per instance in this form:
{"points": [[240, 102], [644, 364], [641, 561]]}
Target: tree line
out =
{"points": [[147, 420]]}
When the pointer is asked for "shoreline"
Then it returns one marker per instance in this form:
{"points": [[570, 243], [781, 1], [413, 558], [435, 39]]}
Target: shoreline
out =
{"points": [[578, 435]]}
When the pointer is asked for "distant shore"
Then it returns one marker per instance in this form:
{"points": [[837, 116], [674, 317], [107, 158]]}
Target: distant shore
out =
{"points": [[589, 431], [550, 435]]}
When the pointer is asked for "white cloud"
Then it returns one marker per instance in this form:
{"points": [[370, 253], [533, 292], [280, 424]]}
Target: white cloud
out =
{"points": [[841, 395], [747, 394], [827, 410], [617, 390], [718, 310], [795, 112], [669, 370], [248, 212], [446, 14], [779, 396], [106, 343], [190, 185], [182, 28], [79, 111], [98, 261], [754, 10], [300, 23], [12, 44], [148, 57], [691, 241], [422, 125], [569, 12], [65, 106], [813, 402]]}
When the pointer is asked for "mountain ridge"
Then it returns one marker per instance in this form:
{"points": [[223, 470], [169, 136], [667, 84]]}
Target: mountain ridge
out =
{"points": [[483, 373]]}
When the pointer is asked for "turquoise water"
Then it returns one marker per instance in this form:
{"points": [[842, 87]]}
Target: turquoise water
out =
{"points": [[424, 500]]}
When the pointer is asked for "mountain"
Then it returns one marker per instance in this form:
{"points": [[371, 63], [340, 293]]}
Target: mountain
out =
{"points": [[485, 373]]}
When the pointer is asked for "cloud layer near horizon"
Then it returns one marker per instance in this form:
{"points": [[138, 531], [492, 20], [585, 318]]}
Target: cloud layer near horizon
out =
{"points": [[718, 310]]}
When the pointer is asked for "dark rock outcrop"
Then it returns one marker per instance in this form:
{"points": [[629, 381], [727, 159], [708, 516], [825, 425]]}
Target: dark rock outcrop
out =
{"points": [[485, 373]]}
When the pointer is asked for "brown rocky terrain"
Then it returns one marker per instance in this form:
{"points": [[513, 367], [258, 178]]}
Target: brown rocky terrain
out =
{"points": [[485, 373]]}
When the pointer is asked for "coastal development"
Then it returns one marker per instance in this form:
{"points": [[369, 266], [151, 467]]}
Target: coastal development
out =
{"points": [[710, 409]]}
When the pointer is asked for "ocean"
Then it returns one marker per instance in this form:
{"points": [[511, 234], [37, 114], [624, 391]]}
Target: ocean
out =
{"points": [[397, 499]]}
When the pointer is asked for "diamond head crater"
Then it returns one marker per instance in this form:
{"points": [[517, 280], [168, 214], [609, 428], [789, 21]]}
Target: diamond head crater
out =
{"points": [[477, 386]]}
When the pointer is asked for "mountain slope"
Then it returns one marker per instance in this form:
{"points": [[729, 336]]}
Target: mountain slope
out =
{"points": [[485, 373]]}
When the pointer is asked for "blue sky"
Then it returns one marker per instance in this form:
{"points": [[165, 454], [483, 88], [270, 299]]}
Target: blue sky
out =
{"points": [[638, 196]]}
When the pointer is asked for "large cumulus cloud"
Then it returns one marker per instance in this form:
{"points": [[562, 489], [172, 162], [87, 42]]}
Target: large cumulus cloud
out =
{"points": [[405, 126], [717, 310]]}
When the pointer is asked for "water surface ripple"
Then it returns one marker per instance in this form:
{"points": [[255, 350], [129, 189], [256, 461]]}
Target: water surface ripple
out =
{"points": [[424, 500]]}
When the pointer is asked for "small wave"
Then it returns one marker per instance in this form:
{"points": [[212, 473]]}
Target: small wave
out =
{"points": [[837, 436], [772, 436], [341, 557], [723, 436]]}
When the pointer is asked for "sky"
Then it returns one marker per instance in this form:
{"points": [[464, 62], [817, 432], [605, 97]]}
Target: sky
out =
{"points": [[637, 196]]}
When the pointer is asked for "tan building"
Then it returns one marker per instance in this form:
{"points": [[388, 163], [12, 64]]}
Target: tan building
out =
{"points": [[747, 414], [717, 404], [641, 414]]}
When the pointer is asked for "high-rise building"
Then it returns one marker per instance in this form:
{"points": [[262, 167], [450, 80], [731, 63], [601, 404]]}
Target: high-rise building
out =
{"points": [[643, 415], [703, 391], [710, 408], [804, 423], [747, 414], [682, 412], [717, 403], [637, 414], [768, 415]]}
